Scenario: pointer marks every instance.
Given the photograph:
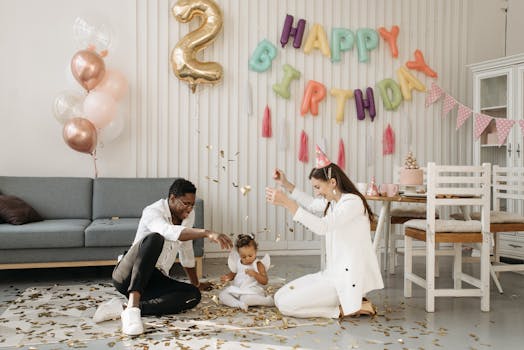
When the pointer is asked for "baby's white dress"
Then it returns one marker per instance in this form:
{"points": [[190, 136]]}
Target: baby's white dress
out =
{"points": [[245, 290]]}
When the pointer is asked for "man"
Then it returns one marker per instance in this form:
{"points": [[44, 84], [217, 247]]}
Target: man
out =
{"points": [[165, 229]]}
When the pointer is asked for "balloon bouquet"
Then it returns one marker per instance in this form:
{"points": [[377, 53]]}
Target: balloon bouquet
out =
{"points": [[91, 118]]}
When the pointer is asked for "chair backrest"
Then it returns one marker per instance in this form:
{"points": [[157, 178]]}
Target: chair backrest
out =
{"points": [[459, 186], [508, 188]]}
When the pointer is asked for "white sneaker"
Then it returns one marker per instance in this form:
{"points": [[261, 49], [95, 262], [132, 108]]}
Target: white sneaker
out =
{"points": [[110, 310], [131, 321]]}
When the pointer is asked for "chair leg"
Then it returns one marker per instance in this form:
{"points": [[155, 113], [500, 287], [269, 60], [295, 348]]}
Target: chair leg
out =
{"points": [[430, 273], [408, 265], [457, 266], [437, 267], [495, 279], [484, 272]]}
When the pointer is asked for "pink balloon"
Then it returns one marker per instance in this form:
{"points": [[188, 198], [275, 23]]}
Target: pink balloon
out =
{"points": [[114, 83], [99, 108]]}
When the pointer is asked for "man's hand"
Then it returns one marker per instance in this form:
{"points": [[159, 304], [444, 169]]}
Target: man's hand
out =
{"points": [[205, 286], [222, 239], [226, 278]]}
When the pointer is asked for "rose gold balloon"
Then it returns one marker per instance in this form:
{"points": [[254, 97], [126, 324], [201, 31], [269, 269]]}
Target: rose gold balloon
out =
{"points": [[88, 68], [80, 135]]}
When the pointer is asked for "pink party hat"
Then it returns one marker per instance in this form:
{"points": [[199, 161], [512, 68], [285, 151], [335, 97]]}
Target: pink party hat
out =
{"points": [[322, 159]]}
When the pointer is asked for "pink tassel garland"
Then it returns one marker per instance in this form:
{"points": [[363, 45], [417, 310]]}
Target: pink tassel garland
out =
{"points": [[266, 123], [303, 155], [388, 141], [341, 160]]}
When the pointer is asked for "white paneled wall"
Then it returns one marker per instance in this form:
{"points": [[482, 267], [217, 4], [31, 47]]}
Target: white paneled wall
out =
{"points": [[178, 133]]}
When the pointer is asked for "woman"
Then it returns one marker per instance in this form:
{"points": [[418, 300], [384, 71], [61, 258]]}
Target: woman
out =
{"points": [[351, 264]]}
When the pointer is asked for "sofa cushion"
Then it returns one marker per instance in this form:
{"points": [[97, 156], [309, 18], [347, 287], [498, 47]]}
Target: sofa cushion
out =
{"points": [[127, 197], [44, 234], [121, 233], [52, 197], [15, 211], [111, 233]]}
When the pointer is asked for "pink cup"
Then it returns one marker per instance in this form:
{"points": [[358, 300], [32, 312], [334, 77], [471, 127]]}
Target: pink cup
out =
{"points": [[383, 190], [392, 190]]}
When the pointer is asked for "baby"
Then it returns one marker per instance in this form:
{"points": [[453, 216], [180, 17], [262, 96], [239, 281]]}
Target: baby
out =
{"points": [[248, 275]]}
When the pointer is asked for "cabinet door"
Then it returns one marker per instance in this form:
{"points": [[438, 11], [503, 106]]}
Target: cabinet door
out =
{"points": [[492, 96], [518, 135]]}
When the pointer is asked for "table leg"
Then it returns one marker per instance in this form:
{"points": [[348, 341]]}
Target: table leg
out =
{"points": [[387, 233], [384, 212]]}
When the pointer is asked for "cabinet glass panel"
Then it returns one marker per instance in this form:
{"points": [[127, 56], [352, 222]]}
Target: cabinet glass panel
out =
{"points": [[493, 92]]}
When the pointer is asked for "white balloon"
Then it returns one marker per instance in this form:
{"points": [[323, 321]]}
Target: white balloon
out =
{"points": [[110, 132], [68, 104], [99, 108], [88, 33]]}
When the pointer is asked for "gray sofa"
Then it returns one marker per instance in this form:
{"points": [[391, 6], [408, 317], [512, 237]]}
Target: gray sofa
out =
{"points": [[87, 222]]}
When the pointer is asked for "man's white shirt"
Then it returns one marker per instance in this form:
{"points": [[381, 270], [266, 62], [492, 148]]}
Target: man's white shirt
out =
{"points": [[157, 218]]}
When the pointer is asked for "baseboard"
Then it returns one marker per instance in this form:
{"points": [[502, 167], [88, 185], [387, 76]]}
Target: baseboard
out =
{"points": [[44, 265]]}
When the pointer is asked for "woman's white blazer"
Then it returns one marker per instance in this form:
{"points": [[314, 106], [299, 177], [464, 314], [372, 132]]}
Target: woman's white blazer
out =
{"points": [[351, 262]]}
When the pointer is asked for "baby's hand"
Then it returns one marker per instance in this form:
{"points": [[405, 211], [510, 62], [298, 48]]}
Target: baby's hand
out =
{"points": [[251, 273], [225, 278]]}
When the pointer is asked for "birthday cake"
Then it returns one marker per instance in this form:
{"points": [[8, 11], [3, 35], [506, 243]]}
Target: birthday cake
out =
{"points": [[411, 174]]}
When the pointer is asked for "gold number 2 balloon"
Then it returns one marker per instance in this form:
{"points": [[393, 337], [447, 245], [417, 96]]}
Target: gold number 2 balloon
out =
{"points": [[183, 57]]}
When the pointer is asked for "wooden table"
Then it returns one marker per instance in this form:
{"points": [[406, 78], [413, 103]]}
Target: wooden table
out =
{"points": [[384, 220]]}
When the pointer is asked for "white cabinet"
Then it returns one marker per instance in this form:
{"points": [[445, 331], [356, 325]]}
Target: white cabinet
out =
{"points": [[498, 91]]}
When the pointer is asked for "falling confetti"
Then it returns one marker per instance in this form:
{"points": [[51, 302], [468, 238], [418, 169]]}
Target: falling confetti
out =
{"points": [[245, 189]]}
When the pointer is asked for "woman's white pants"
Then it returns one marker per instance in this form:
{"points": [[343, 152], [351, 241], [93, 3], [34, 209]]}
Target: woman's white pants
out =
{"points": [[308, 296]]}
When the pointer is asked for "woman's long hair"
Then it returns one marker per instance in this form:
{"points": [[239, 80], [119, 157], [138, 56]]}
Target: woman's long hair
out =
{"points": [[333, 171]]}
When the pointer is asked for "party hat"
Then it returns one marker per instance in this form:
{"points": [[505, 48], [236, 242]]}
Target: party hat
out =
{"points": [[322, 159]]}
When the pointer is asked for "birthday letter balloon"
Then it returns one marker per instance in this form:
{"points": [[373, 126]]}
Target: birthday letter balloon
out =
{"points": [[282, 88], [390, 93], [408, 82], [183, 57]]}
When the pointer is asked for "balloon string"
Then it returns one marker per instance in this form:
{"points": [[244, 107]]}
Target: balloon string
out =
{"points": [[94, 161], [196, 117]]}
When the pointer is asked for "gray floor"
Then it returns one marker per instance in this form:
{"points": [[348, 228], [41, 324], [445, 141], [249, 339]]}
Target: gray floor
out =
{"points": [[402, 323]]}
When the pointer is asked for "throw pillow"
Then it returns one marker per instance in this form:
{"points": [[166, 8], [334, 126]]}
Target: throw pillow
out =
{"points": [[15, 211]]}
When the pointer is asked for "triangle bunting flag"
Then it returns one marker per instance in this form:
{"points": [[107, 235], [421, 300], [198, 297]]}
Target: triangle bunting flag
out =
{"points": [[481, 123]]}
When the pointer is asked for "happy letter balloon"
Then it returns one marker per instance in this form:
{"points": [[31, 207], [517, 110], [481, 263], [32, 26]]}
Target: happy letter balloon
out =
{"points": [[183, 57]]}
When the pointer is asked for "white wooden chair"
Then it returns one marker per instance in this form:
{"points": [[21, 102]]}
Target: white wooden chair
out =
{"points": [[447, 186], [506, 216], [400, 213], [508, 194]]}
